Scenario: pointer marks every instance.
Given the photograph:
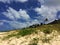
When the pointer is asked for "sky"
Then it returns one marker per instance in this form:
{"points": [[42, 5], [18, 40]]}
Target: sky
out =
{"points": [[17, 14]]}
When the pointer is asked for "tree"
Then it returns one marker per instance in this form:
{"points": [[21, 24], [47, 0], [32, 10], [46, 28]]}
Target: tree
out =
{"points": [[45, 20], [41, 23]]}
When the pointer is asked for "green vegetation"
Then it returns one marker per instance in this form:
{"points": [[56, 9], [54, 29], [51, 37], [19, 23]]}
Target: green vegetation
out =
{"points": [[34, 41], [47, 31], [26, 32], [46, 40], [22, 32], [33, 44], [9, 36]]}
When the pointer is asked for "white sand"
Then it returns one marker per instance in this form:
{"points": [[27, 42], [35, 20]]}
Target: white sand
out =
{"points": [[27, 39]]}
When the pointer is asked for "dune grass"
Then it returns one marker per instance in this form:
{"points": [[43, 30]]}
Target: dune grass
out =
{"points": [[22, 32], [47, 29], [34, 41], [25, 32]]}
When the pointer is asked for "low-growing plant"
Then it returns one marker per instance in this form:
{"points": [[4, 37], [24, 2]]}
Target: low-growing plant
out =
{"points": [[9, 36], [33, 44], [26, 32], [46, 40], [34, 41], [23, 32], [47, 31]]}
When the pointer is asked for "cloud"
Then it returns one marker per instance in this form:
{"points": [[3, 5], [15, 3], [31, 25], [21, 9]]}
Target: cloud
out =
{"points": [[49, 9], [24, 14], [9, 1], [13, 24], [14, 15], [52, 2], [22, 1], [18, 24], [46, 12], [41, 1]]}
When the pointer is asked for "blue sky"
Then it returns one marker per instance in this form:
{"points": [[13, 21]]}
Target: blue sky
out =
{"points": [[16, 14]]}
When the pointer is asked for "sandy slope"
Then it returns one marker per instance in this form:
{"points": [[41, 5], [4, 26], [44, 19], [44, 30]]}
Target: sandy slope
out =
{"points": [[29, 39]]}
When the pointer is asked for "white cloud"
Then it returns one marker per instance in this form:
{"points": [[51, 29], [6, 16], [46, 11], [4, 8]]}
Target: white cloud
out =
{"points": [[13, 24], [49, 13], [22, 1], [4, 1], [41, 1], [52, 2], [9, 1], [23, 14], [13, 14], [49, 9], [18, 25], [31, 22]]}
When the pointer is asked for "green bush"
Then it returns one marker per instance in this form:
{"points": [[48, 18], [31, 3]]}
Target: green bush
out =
{"points": [[47, 31], [26, 32]]}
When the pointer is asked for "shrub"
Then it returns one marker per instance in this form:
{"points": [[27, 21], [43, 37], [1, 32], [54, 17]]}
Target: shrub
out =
{"points": [[25, 32], [47, 31]]}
